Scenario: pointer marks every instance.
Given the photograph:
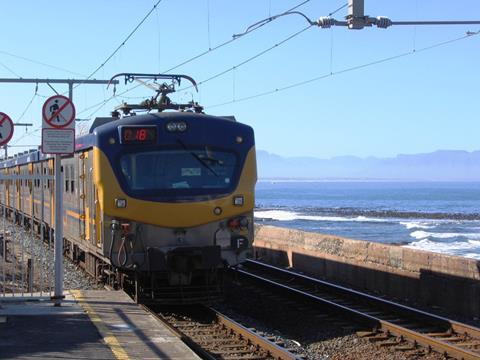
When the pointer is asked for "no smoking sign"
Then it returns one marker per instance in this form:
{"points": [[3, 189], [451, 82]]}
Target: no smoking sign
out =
{"points": [[6, 128]]}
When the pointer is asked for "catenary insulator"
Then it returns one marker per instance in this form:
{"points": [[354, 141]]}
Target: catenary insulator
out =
{"points": [[325, 22], [383, 22]]}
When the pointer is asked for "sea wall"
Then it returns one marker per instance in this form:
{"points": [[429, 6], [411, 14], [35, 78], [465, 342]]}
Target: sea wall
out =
{"points": [[413, 276]]}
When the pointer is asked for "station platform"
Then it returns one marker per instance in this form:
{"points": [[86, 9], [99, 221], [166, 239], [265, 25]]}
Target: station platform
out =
{"points": [[93, 324]]}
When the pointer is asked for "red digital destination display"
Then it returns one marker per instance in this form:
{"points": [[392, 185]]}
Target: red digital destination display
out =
{"points": [[138, 134]]}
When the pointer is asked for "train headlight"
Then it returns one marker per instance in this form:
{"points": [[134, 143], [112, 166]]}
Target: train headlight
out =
{"points": [[217, 211], [176, 126], [121, 203], [171, 126], [181, 126], [238, 200]]}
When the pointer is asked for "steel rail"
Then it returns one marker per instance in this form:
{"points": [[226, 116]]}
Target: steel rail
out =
{"points": [[275, 351], [380, 324], [204, 354], [456, 326]]}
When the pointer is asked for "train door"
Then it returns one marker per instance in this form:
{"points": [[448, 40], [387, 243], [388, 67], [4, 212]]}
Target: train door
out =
{"points": [[31, 192], [96, 218], [91, 203], [18, 189], [82, 188]]}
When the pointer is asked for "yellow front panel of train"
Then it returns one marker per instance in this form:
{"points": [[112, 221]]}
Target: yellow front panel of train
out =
{"points": [[173, 215]]}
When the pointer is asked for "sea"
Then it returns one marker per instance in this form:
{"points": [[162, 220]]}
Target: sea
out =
{"points": [[442, 217]]}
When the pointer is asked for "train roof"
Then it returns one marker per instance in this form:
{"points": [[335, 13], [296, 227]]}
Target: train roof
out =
{"points": [[24, 158], [100, 121]]}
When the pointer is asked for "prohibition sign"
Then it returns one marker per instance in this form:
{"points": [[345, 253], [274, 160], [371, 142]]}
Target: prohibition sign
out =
{"points": [[58, 111], [6, 128]]}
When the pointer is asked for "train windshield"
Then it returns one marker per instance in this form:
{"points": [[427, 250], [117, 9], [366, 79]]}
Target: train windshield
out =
{"points": [[196, 169]]}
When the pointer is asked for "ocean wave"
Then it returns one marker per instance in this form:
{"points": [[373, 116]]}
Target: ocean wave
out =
{"points": [[460, 248], [420, 234], [283, 215], [418, 225]]}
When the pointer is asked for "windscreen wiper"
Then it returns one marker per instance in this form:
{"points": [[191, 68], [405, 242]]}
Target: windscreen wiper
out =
{"points": [[199, 159], [210, 159]]}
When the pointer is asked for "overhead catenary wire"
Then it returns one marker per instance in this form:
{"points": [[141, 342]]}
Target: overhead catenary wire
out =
{"points": [[210, 50], [349, 69], [10, 70], [263, 52], [260, 23], [122, 44], [40, 63], [28, 105]]}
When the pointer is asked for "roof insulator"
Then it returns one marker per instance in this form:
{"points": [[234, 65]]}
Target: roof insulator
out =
{"points": [[325, 22]]}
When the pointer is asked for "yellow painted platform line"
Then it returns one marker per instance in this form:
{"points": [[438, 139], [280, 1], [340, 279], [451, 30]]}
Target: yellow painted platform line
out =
{"points": [[107, 335]]}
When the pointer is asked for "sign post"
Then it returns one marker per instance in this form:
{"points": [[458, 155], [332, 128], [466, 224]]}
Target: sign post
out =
{"points": [[6, 128], [58, 137]]}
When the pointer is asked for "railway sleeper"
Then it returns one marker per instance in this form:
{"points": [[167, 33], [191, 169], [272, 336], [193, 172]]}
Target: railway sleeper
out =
{"points": [[439, 334], [377, 338], [405, 347], [226, 342], [469, 344], [231, 351], [233, 345], [389, 343], [426, 330], [450, 339], [364, 334], [250, 357]]}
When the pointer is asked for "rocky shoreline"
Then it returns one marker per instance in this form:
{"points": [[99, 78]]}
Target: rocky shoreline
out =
{"points": [[396, 214]]}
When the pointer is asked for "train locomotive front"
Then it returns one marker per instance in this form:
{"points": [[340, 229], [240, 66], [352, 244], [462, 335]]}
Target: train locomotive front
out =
{"points": [[175, 196]]}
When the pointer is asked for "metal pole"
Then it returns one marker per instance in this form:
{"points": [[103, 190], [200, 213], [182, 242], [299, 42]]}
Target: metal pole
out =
{"points": [[58, 294], [42, 228], [32, 235], [14, 235], [58, 239], [4, 255]]}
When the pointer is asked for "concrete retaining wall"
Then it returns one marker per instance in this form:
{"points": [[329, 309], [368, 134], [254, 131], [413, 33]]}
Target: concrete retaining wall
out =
{"points": [[417, 277]]}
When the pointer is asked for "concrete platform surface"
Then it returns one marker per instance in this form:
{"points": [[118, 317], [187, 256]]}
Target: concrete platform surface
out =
{"points": [[94, 324]]}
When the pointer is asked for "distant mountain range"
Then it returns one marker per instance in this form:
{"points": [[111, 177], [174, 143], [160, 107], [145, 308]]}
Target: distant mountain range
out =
{"points": [[442, 165]]}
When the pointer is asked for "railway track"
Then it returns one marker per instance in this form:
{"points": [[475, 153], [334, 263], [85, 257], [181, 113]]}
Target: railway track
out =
{"points": [[389, 323], [213, 335]]}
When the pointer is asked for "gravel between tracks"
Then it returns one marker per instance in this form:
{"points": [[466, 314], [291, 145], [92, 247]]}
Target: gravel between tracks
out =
{"points": [[16, 265], [312, 333]]}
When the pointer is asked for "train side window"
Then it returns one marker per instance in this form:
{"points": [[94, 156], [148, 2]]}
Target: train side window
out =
{"points": [[66, 176], [72, 177]]}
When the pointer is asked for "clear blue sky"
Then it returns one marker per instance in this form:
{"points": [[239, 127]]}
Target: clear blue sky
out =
{"points": [[416, 103]]}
